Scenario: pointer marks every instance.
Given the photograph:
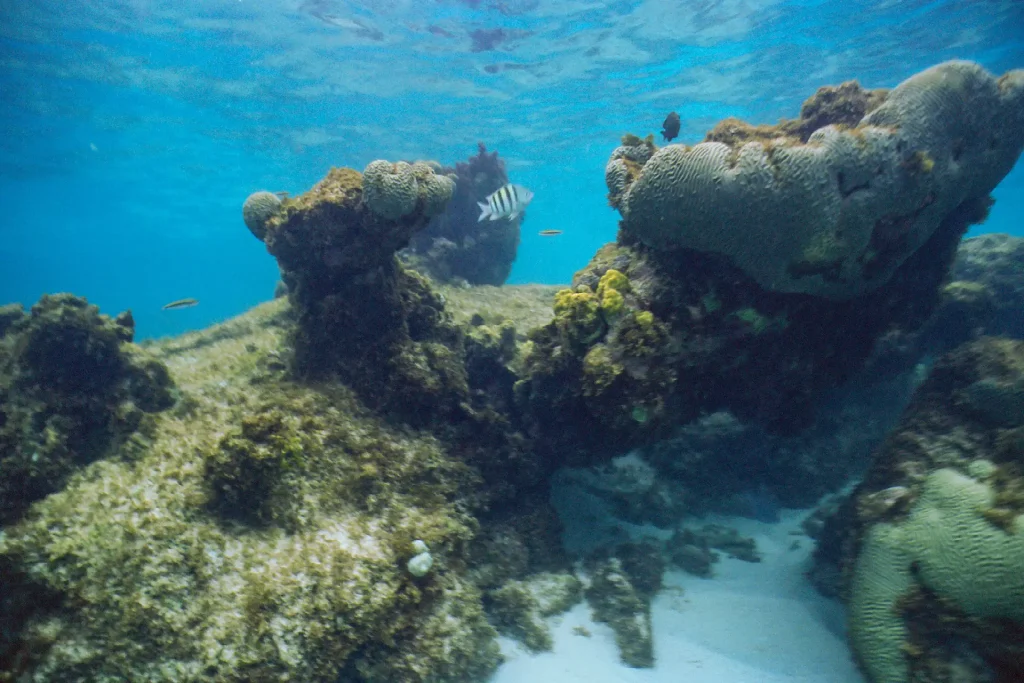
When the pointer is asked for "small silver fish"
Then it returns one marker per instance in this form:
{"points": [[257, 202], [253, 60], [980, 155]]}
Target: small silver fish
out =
{"points": [[508, 202], [181, 303]]}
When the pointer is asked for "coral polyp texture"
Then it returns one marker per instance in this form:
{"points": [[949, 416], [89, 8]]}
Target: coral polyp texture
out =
{"points": [[834, 213], [393, 191], [933, 539], [257, 210]]}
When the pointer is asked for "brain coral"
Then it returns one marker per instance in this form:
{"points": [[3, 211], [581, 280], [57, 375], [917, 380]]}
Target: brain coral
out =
{"points": [[392, 190], [834, 216], [257, 210], [946, 544]]}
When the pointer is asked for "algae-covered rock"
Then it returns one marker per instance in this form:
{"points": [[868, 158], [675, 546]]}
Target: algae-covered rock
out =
{"points": [[617, 602], [361, 316], [692, 550], [262, 533], [72, 386], [836, 213], [518, 608], [930, 544]]}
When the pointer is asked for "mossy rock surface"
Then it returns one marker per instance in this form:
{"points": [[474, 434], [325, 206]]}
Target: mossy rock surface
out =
{"points": [[72, 387], [154, 581]]}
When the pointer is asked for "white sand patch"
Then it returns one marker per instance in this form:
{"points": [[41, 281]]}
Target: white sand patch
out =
{"points": [[751, 623]]}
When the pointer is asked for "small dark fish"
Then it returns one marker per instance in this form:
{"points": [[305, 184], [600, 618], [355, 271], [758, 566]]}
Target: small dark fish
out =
{"points": [[670, 129], [181, 303], [549, 233]]}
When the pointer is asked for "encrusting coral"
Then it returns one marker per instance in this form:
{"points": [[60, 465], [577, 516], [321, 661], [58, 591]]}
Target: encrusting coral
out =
{"points": [[257, 210], [836, 212]]}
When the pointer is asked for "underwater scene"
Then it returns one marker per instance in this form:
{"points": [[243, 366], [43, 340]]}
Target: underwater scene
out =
{"points": [[512, 341]]}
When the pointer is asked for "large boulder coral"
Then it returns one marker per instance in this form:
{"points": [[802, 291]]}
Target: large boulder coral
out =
{"points": [[931, 544], [837, 212], [71, 385]]}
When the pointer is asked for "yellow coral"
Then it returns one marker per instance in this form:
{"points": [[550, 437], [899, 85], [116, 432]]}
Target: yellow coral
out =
{"points": [[612, 304], [578, 316], [612, 280]]}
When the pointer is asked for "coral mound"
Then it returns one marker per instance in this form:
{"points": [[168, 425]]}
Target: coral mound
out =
{"points": [[836, 213], [393, 191]]}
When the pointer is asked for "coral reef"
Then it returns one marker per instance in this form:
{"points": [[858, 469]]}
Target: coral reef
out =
{"points": [[455, 246], [72, 386], [308, 508], [685, 333], [836, 212], [929, 546]]}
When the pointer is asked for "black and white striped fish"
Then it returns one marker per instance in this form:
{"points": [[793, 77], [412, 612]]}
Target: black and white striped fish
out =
{"points": [[508, 202]]}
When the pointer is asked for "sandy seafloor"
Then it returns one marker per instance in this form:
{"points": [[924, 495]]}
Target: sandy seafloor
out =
{"points": [[750, 623]]}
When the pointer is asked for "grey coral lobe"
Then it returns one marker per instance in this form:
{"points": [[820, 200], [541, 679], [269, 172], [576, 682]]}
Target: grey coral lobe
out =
{"points": [[812, 217], [257, 210]]}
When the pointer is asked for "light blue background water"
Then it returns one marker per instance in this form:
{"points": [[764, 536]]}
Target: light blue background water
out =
{"points": [[134, 129]]}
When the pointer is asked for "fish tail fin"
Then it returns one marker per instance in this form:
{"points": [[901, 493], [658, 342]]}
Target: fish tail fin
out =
{"points": [[485, 211]]}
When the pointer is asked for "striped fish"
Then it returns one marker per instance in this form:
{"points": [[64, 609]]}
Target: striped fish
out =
{"points": [[508, 202]]}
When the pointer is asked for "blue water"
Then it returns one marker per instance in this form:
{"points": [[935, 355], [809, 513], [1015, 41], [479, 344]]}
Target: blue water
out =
{"points": [[134, 129]]}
